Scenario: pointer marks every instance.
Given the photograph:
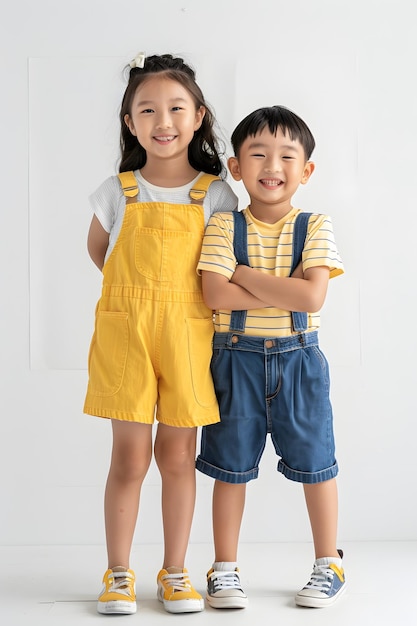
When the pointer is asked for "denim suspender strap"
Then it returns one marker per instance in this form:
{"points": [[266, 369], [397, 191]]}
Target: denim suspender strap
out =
{"points": [[240, 245], [299, 320]]}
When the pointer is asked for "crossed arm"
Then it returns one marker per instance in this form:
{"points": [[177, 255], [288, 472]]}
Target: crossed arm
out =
{"points": [[250, 288]]}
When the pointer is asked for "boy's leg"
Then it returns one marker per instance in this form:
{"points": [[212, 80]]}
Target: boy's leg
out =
{"points": [[327, 582], [175, 450], [228, 507], [224, 590], [322, 505], [131, 455]]}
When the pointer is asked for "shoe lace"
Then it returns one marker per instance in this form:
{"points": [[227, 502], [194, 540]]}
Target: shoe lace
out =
{"points": [[322, 577], [225, 580], [178, 582], [121, 582]]}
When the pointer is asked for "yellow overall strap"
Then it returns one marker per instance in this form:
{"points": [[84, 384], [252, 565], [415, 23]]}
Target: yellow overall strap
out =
{"points": [[197, 193], [129, 185], [200, 188]]}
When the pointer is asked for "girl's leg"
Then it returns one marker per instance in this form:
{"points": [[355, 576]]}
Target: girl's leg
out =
{"points": [[322, 506], [175, 450], [131, 456], [228, 507]]}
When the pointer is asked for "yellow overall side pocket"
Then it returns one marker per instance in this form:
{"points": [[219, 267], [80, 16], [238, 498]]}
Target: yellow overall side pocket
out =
{"points": [[200, 337], [108, 353]]}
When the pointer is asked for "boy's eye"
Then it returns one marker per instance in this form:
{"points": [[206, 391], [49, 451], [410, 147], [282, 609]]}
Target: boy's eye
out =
{"points": [[258, 155]]}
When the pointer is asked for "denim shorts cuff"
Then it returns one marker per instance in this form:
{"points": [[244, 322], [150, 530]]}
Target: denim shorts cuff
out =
{"points": [[225, 475], [308, 478]]}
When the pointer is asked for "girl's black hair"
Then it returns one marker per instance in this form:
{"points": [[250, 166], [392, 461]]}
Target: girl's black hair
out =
{"points": [[204, 149], [274, 117]]}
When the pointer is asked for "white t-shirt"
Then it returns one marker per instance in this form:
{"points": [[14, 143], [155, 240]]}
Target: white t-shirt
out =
{"points": [[108, 201]]}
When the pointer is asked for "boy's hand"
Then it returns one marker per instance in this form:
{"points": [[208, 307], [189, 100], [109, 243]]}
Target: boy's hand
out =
{"points": [[239, 273]]}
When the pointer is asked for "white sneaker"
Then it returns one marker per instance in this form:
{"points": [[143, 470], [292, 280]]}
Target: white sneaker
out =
{"points": [[326, 585], [224, 590]]}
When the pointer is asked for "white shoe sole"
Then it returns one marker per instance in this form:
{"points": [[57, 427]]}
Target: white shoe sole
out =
{"points": [[183, 606], [116, 607], [227, 603], [318, 603]]}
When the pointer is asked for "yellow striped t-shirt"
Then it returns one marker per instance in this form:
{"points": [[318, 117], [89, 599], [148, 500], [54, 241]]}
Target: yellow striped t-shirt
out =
{"points": [[270, 251]]}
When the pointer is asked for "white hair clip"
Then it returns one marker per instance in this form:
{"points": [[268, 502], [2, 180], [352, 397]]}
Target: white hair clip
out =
{"points": [[138, 61]]}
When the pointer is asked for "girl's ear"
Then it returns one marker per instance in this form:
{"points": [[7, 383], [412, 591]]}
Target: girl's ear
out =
{"points": [[308, 170], [233, 165], [129, 124], [199, 116]]}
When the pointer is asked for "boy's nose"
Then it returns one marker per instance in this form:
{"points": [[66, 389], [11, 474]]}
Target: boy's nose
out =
{"points": [[273, 166]]}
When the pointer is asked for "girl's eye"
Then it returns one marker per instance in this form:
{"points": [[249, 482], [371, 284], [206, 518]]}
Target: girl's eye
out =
{"points": [[177, 108], [147, 111]]}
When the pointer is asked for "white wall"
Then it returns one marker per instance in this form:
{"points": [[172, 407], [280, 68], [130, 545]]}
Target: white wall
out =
{"points": [[348, 68]]}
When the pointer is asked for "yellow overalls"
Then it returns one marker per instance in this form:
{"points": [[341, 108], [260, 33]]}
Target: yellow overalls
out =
{"points": [[152, 340]]}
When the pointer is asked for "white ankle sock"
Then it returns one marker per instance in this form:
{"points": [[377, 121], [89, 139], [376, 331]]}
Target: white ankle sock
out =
{"points": [[224, 566]]}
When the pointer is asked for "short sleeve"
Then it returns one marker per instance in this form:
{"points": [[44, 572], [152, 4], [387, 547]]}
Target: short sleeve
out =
{"points": [[222, 197], [320, 248], [105, 202], [217, 254]]}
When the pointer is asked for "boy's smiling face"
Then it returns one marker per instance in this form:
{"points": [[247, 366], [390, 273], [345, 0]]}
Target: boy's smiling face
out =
{"points": [[271, 166]]}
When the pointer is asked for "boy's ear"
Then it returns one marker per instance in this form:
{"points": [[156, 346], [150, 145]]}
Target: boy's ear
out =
{"points": [[233, 165], [308, 170]]}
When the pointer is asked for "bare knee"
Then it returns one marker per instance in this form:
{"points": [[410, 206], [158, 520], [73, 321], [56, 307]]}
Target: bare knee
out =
{"points": [[175, 455], [132, 452], [129, 467]]}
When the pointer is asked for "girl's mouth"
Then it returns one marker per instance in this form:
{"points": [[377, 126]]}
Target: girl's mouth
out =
{"points": [[164, 138]]}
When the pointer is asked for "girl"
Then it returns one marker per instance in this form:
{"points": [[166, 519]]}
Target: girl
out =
{"points": [[151, 349]]}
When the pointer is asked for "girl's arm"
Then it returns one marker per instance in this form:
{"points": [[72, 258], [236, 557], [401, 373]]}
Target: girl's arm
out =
{"points": [[97, 242], [290, 294], [219, 293]]}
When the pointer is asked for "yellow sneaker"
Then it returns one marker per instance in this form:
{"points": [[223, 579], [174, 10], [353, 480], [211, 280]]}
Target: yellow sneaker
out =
{"points": [[177, 593], [118, 595]]}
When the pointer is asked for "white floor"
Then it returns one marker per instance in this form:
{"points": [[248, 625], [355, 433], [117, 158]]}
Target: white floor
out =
{"points": [[58, 585]]}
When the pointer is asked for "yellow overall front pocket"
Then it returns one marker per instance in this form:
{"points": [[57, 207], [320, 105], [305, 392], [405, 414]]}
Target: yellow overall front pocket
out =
{"points": [[200, 337], [163, 255], [108, 353]]}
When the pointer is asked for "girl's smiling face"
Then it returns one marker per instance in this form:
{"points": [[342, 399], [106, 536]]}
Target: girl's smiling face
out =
{"points": [[164, 118]]}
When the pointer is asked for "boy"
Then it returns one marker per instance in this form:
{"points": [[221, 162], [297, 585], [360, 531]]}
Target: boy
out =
{"points": [[269, 373]]}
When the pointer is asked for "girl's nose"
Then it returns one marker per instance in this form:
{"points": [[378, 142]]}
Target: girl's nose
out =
{"points": [[164, 121]]}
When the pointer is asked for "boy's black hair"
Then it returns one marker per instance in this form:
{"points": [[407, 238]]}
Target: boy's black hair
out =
{"points": [[274, 117], [204, 151]]}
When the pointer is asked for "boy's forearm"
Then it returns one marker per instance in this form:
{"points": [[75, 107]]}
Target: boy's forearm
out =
{"points": [[290, 294], [219, 293]]}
